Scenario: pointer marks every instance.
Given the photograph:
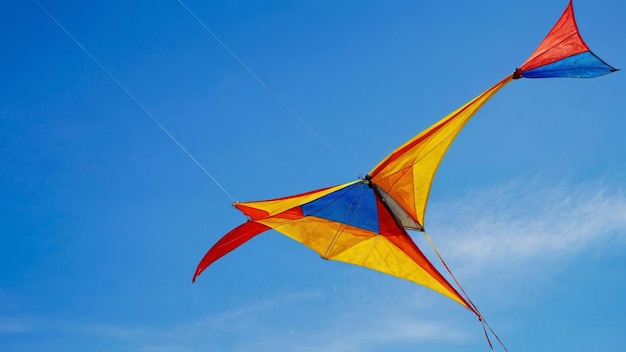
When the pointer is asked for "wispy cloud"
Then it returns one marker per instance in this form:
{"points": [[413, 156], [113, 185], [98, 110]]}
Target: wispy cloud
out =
{"points": [[525, 221], [287, 322], [344, 325]]}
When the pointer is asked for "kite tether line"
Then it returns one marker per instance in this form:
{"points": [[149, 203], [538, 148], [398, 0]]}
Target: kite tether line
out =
{"points": [[132, 97], [256, 78], [480, 316]]}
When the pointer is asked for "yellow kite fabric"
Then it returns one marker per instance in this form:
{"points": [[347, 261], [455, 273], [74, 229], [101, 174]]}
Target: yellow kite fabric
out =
{"points": [[407, 174]]}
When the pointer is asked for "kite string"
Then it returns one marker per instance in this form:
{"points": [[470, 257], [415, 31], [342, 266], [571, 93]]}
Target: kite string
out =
{"points": [[131, 96], [265, 86], [481, 318]]}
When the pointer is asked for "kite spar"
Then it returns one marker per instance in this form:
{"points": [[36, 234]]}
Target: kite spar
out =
{"points": [[365, 222]]}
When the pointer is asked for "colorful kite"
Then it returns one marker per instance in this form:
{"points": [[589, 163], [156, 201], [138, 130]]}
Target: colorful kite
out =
{"points": [[365, 222]]}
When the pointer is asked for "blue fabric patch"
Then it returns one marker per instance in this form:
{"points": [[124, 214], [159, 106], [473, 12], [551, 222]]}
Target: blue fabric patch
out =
{"points": [[583, 65], [354, 205]]}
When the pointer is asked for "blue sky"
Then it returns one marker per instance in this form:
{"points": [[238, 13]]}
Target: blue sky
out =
{"points": [[103, 218]]}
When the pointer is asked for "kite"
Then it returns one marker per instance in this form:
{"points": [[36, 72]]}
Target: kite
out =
{"points": [[365, 222]]}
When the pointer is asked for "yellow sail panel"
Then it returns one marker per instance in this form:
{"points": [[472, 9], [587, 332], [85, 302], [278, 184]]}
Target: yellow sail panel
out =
{"points": [[407, 173], [266, 208], [391, 253], [380, 254]]}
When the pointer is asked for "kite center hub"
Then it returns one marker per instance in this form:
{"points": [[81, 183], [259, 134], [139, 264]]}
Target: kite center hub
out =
{"points": [[367, 179]]}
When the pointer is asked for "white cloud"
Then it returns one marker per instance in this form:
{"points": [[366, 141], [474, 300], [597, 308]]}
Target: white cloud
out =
{"points": [[299, 322], [308, 322], [526, 221]]}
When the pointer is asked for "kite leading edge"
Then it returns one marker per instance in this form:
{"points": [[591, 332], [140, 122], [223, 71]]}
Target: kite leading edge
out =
{"points": [[365, 222]]}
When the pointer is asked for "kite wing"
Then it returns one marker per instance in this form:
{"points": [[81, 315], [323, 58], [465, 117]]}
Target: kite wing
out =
{"points": [[563, 53], [349, 223], [406, 175]]}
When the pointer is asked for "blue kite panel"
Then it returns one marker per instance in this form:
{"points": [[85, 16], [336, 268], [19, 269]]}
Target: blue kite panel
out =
{"points": [[354, 205], [583, 65]]}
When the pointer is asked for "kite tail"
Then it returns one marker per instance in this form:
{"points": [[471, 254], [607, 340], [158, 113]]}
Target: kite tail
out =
{"points": [[480, 316], [235, 238]]}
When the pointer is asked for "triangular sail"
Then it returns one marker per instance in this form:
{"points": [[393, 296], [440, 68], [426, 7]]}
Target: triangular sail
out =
{"points": [[407, 173], [563, 53]]}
